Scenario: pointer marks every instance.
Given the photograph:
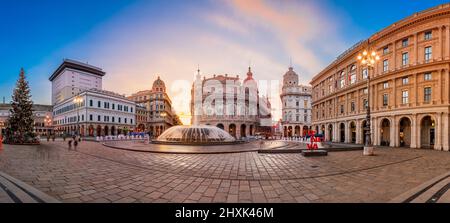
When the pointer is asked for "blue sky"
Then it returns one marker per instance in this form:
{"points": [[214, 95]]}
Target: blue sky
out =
{"points": [[136, 40]]}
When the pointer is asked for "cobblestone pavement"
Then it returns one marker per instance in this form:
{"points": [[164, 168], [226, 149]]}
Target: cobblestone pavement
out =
{"points": [[95, 173]]}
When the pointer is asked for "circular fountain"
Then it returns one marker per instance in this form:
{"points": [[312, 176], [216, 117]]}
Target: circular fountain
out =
{"points": [[196, 135]]}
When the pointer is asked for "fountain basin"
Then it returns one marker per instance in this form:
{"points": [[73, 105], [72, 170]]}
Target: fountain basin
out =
{"points": [[196, 135]]}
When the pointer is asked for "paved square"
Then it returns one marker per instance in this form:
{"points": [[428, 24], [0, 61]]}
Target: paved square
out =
{"points": [[95, 173]]}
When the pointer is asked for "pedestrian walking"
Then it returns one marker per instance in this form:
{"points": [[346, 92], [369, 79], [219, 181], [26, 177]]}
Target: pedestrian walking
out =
{"points": [[75, 143], [70, 144], [53, 137]]}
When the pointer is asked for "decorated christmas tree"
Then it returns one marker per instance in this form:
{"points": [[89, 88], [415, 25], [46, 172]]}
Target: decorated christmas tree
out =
{"points": [[19, 127]]}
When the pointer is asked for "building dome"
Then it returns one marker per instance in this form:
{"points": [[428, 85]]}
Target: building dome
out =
{"points": [[249, 75], [290, 78], [197, 134], [159, 85]]}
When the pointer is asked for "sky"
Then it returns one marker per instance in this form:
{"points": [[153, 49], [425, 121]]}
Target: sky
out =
{"points": [[135, 41]]}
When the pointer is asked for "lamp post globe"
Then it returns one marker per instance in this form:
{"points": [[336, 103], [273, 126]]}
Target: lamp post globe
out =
{"points": [[78, 100]]}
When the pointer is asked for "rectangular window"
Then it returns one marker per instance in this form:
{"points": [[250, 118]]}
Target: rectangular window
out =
{"points": [[365, 91], [91, 103], [385, 85], [365, 103], [98, 118], [428, 54], [385, 50], [365, 73], [427, 76], [113, 106], [342, 83], [99, 104], [91, 118], [120, 120], [428, 35], [405, 42], [405, 97], [405, 59], [385, 99], [305, 103], [113, 119], [385, 65], [125, 120], [305, 118], [405, 80], [353, 79], [330, 89], [427, 94], [352, 106]]}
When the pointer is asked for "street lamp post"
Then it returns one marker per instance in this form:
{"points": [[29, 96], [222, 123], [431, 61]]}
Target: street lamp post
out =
{"points": [[78, 100], [368, 59], [47, 124]]}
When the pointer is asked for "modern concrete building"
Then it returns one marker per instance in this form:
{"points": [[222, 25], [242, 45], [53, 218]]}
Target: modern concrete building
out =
{"points": [[296, 106], [409, 87], [99, 112], [72, 77]]}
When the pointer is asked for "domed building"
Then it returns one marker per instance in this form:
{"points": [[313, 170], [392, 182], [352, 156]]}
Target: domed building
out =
{"points": [[160, 114], [296, 106]]}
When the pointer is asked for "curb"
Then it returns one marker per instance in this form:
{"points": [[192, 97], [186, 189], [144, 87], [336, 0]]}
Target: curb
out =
{"points": [[35, 194], [410, 195]]}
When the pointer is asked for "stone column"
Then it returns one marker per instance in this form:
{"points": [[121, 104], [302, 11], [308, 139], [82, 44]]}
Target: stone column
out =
{"points": [[447, 46], [358, 132], [393, 132], [335, 132], [439, 87], [238, 131], [445, 132], [347, 132], [416, 92], [396, 131], [226, 127], [415, 132], [416, 51], [438, 132], [441, 42], [394, 93], [375, 130], [394, 46]]}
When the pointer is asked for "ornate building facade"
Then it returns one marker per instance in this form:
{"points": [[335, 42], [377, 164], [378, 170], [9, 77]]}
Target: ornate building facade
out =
{"points": [[296, 106], [161, 115], [234, 106], [409, 88]]}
